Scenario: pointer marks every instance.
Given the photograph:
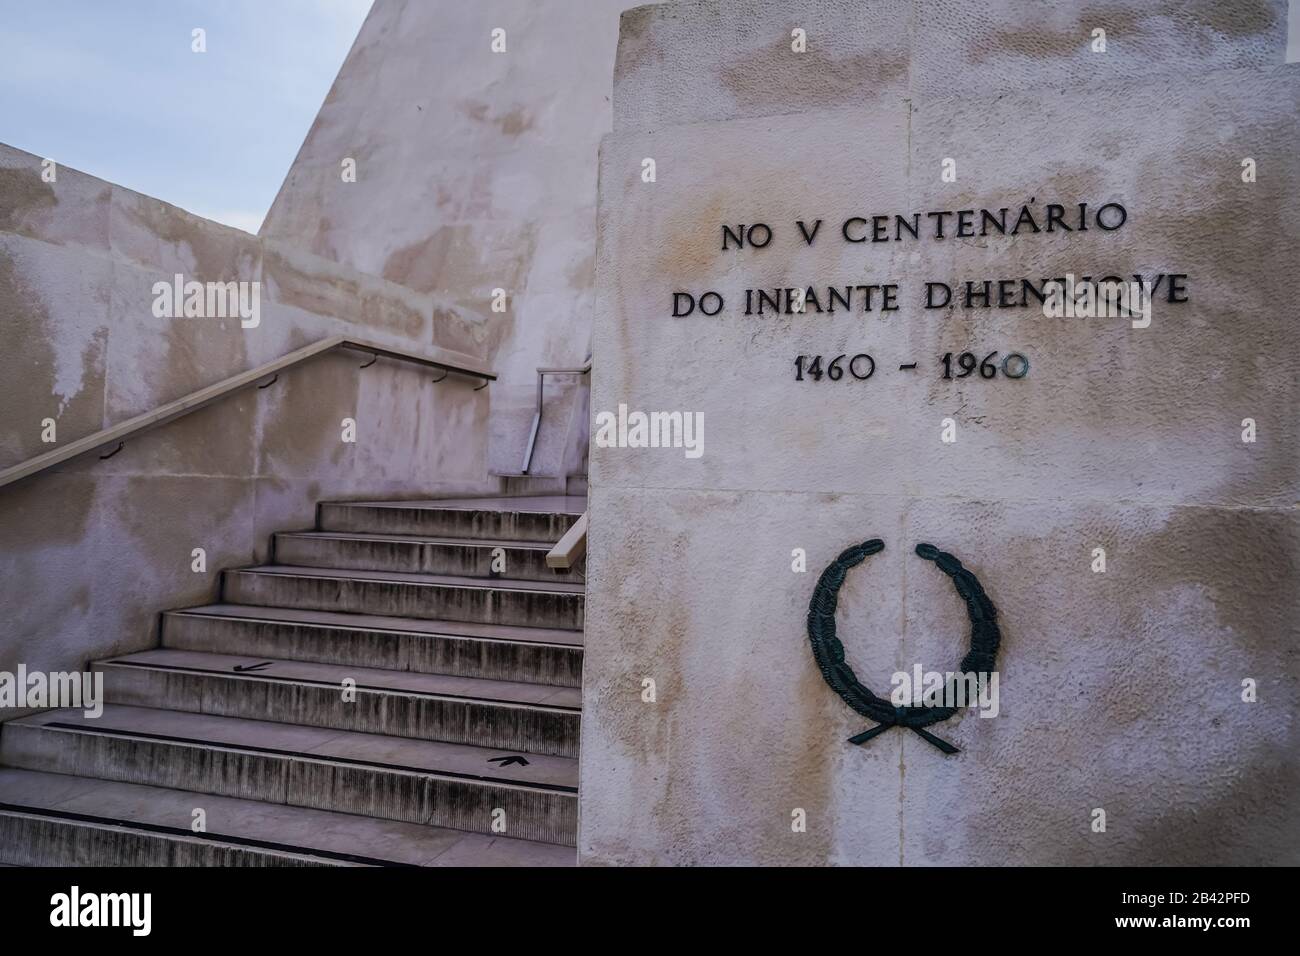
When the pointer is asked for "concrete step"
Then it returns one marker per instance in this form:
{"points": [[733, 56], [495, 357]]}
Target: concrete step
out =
{"points": [[491, 651], [532, 518], [532, 718], [465, 557], [51, 819], [398, 594], [390, 778], [515, 484]]}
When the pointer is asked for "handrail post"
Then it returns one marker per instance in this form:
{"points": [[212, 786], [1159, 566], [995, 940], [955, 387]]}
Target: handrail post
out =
{"points": [[537, 412]]}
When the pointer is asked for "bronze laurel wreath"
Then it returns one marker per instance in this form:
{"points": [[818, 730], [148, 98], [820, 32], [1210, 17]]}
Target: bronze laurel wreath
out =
{"points": [[828, 652]]}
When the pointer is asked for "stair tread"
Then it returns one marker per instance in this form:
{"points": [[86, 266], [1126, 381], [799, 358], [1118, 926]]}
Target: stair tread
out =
{"points": [[296, 830], [415, 577], [531, 504], [512, 633], [418, 539], [367, 678], [320, 743]]}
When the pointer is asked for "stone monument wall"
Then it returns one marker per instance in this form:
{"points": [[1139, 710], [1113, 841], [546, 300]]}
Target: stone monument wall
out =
{"points": [[1125, 489]]}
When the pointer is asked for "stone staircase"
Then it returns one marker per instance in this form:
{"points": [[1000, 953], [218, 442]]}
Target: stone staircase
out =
{"points": [[378, 695]]}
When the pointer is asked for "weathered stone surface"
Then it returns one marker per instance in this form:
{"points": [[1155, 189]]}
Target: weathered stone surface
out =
{"points": [[495, 189], [365, 774], [525, 561], [73, 210], [520, 603], [87, 562], [516, 519], [527, 717], [240, 832], [94, 552], [865, 54], [476, 171], [263, 834], [1153, 403], [1119, 690], [857, 55], [493, 652], [55, 302]]}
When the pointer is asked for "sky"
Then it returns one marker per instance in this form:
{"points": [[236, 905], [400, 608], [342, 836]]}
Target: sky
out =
{"points": [[113, 88]]}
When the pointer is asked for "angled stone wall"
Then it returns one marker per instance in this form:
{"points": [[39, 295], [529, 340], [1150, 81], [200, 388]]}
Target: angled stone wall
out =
{"points": [[92, 551], [475, 171]]}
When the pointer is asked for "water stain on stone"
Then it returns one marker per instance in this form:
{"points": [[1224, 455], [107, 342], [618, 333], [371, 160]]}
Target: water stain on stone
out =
{"points": [[1240, 18], [454, 328], [636, 45], [22, 191], [1044, 44], [512, 123], [36, 514], [301, 422], [30, 370], [1237, 20], [1245, 560], [515, 122], [813, 756], [355, 298], [1255, 817], [197, 353], [582, 275], [815, 79], [219, 253], [460, 255], [692, 242], [44, 525]]}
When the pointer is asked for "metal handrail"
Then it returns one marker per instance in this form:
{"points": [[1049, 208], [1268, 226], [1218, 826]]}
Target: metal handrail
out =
{"points": [[537, 415], [449, 362]]}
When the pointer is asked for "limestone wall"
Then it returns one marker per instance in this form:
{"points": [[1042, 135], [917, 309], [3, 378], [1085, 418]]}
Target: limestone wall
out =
{"points": [[92, 551], [476, 171], [1120, 689]]}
